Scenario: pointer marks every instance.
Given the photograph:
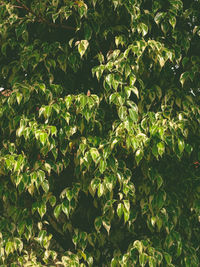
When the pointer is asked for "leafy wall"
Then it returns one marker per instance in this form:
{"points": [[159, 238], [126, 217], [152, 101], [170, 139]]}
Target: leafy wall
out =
{"points": [[99, 133]]}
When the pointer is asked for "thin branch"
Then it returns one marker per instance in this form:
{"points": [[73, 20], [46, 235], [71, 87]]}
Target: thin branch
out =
{"points": [[41, 19], [17, 6]]}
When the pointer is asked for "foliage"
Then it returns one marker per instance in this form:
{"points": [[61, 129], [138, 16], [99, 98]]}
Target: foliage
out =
{"points": [[99, 133]]}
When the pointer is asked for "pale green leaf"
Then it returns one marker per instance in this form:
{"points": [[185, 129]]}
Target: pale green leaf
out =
{"points": [[82, 47], [120, 210]]}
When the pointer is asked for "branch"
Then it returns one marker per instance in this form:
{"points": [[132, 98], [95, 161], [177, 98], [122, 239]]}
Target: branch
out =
{"points": [[41, 19], [17, 6]]}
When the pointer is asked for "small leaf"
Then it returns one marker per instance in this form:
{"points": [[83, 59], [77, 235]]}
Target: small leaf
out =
{"points": [[98, 223], [68, 101], [122, 112], [95, 183], [168, 258], [106, 225], [161, 148], [153, 220], [57, 210], [159, 180], [109, 79], [138, 245], [66, 207], [95, 154], [42, 209], [9, 248], [41, 175], [45, 186], [102, 165], [172, 21], [142, 28], [158, 17], [133, 114], [159, 223], [100, 190], [53, 131], [120, 210], [52, 200], [82, 47], [135, 91], [43, 137], [126, 215], [83, 100], [19, 97], [143, 259], [138, 155], [152, 261], [184, 76], [181, 145]]}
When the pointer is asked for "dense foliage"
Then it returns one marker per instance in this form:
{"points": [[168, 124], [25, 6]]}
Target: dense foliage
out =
{"points": [[99, 133]]}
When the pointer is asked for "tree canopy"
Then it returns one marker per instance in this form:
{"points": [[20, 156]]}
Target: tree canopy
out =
{"points": [[99, 133]]}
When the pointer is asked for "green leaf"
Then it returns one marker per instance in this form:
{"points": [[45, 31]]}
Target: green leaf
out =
{"points": [[95, 154], [83, 100], [120, 210], [153, 220], [43, 137], [102, 165], [82, 47], [133, 114], [152, 261], [41, 175], [53, 131], [66, 207], [68, 101], [87, 32], [158, 17], [135, 91], [9, 248], [143, 259], [138, 245], [168, 258], [142, 28], [126, 215], [181, 145], [172, 21], [42, 87], [127, 205], [138, 155], [19, 97], [109, 79], [57, 210], [110, 182], [184, 76], [122, 112], [98, 223], [161, 148], [159, 223], [101, 190], [45, 186], [159, 181], [42, 209], [52, 201], [42, 234], [62, 62], [106, 224], [95, 183]]}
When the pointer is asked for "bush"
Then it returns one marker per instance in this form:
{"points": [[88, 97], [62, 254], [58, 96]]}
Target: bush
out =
{"points": [[99, 133]]}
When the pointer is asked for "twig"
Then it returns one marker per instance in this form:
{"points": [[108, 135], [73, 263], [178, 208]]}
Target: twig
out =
{"points": [[17, 6], [41, 19]]}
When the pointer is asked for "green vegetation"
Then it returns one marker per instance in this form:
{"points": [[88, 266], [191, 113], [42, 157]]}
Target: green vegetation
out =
{"points": [[99, 133]]}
